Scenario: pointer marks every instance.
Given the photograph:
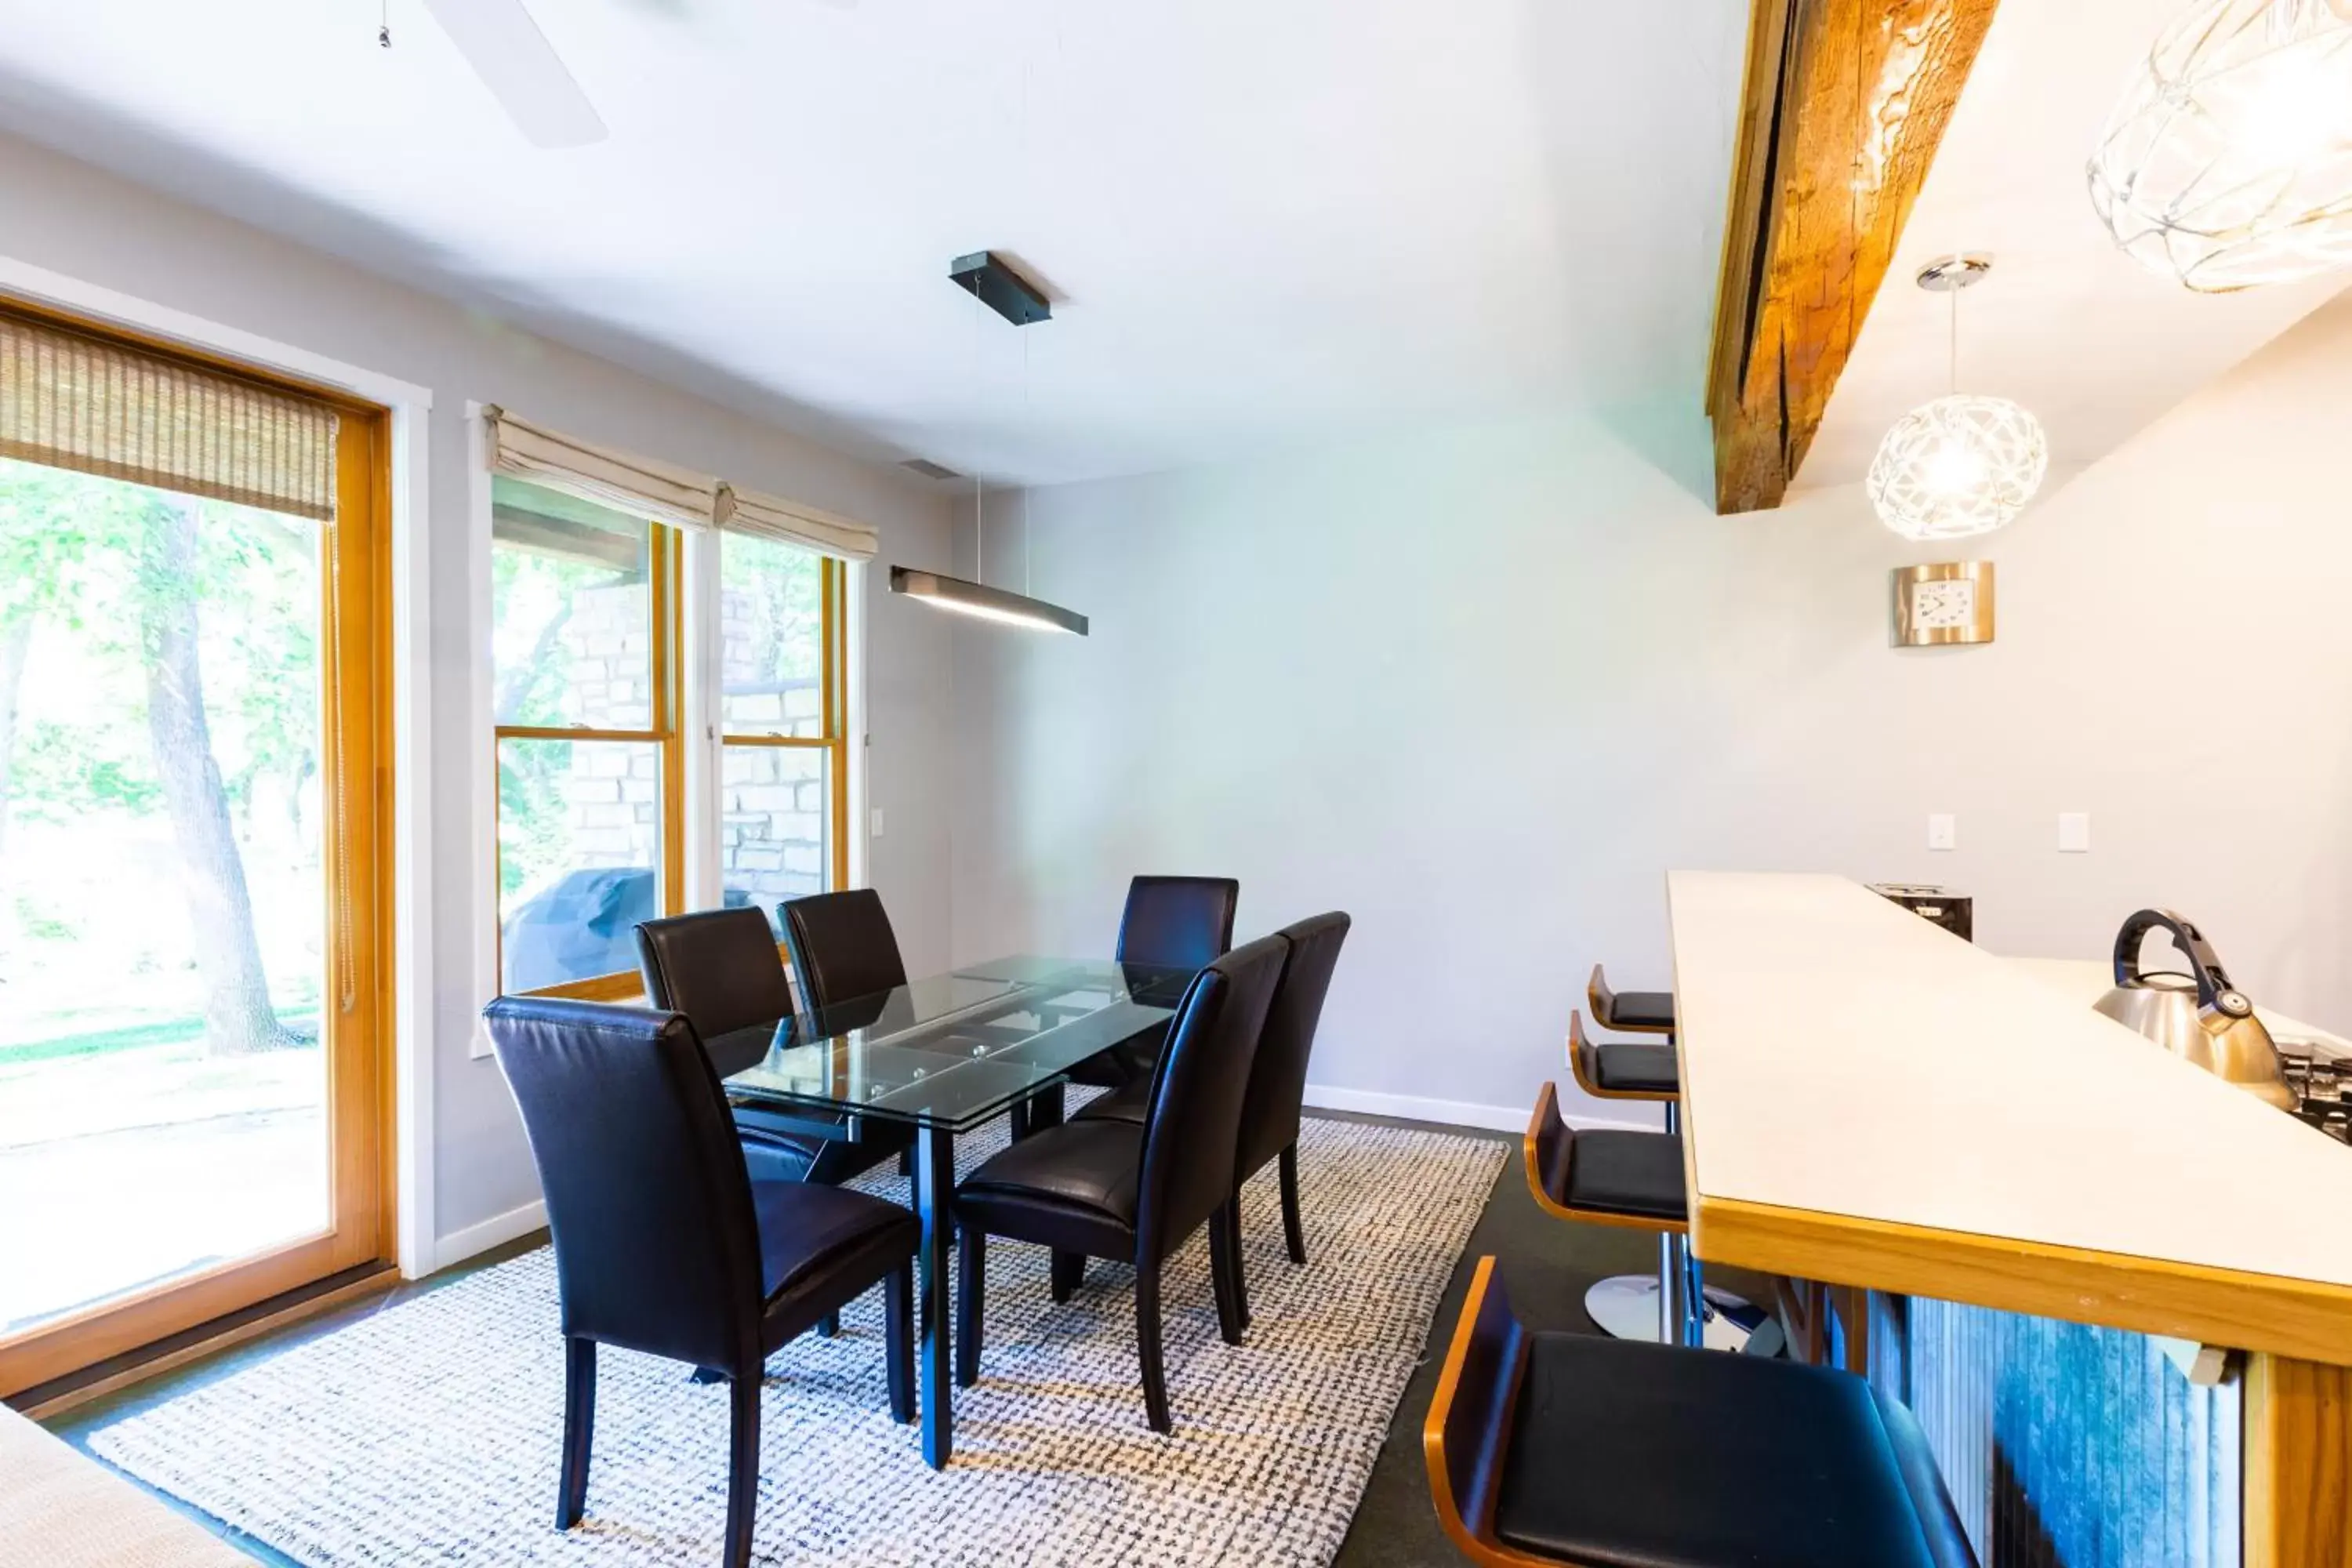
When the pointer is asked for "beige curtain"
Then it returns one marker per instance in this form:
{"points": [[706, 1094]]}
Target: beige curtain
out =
{"points": [[641, 486], [77, 401], [749, 511]]}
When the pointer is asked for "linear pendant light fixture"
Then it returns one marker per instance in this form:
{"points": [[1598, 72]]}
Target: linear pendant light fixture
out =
{"points": [[986, 603], [987, 278]]}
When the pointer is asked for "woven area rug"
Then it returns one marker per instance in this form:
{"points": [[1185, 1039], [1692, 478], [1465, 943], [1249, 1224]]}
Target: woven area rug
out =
{"points": [[428, 1432]]}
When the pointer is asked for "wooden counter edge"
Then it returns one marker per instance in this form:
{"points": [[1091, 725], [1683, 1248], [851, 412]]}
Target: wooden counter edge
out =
{"points": [[2306, 1319]]}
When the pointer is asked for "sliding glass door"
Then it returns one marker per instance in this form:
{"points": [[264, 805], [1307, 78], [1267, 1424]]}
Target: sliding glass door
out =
{"points": [[191, 776]]}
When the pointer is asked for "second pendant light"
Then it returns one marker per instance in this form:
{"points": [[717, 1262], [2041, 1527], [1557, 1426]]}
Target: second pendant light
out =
{"points": [[1962, 464]]}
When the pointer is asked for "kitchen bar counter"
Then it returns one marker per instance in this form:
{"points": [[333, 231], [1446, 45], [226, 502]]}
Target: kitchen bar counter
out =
{"points": [[1870, 1101]]}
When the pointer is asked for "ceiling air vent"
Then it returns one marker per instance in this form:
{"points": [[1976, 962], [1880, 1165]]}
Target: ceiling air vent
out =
{"points": [[930, 469]]}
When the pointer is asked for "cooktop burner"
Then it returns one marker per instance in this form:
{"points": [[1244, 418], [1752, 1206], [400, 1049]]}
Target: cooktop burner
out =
{"points": [[2323, 1089]]}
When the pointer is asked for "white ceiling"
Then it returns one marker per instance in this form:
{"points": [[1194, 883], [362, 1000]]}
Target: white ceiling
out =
{"points": [[1263, 220], [2067, 325]]}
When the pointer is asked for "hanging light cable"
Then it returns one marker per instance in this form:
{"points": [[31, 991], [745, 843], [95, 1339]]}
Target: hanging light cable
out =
{"points": [[1962, 464], [2227, 163]]}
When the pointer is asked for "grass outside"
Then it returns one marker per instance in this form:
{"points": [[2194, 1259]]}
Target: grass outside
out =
{"points": [[131, 1037]]}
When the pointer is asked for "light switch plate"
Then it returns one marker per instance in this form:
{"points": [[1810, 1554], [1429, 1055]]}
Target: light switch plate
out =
{"points": [[875, 828], [2074, 833], [1943, 831]]}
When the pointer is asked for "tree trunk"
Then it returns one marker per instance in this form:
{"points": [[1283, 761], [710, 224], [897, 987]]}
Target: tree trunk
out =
{"points": [[238, 1019]]}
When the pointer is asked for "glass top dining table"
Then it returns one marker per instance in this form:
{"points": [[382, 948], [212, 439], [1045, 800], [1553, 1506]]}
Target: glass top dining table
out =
{"points": [[948, 1051], [942, 1056]]}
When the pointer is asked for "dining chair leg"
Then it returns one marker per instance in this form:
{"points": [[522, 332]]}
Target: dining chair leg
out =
{"points": [[828, 1326], [1221, 1237], [579, 1424], [1295, 1233], [1147, 1346], [898, 1329], [742, 1470], [971, 1286], [1069, 1272], [1241, 1270]]}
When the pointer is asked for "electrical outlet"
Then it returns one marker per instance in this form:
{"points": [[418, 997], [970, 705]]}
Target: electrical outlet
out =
{"points": [[2074, 833], [875, 829], [1943, 831]]}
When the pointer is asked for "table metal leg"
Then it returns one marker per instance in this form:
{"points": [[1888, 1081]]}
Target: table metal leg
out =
{"points": [[935, 1202], [1046, 1109], [1672, 1280]]}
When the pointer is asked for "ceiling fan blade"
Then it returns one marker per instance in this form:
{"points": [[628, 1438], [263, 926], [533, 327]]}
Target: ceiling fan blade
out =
{"points": [[521, 70]]}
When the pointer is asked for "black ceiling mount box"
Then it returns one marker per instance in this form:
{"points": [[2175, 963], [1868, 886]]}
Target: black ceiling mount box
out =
{"points": [[1000, 288]]}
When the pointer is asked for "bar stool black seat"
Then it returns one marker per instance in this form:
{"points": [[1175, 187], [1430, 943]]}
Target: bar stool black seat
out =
{"points": [[1630, 1012], [1604, 1175], [1570, 1448], [1622, 1070]]}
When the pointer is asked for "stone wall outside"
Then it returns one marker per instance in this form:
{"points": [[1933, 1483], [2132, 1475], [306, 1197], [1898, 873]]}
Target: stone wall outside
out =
{"points": [[773, 811]]}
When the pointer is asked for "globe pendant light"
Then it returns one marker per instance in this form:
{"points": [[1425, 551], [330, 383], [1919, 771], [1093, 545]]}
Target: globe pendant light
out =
{"points": [[1960, 465], [2228, 161]]}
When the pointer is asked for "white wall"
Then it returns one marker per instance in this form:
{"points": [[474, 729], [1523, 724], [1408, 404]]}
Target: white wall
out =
{"points": [[73, 219], [1483, 687]]}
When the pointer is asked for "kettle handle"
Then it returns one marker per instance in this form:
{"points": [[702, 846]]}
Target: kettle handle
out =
{"points": [[2214, 990]]}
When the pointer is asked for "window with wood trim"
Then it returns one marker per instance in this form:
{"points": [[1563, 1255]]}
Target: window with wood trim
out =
{"points": [[784, 759], [591, 658]]}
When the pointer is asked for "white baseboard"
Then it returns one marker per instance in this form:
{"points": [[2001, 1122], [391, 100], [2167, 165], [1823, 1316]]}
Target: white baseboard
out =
{"points": [[495, 1231], [1451, 1112]]}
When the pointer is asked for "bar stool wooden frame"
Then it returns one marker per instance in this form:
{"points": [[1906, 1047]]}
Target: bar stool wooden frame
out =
{"points": [[1548, 1131], [1468, 1429], [1603, 1002], [1584, 1066], [1549, 1142]]}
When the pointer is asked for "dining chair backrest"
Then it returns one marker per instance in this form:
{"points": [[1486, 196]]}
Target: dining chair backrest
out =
{"points": [[1178, 923], [1197, 1088], [1278, 1073], [841, 946], [657, 1249], [718, 967]]}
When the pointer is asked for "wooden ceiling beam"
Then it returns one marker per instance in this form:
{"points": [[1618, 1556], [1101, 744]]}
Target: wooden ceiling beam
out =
{"points": [[1845, 105]]}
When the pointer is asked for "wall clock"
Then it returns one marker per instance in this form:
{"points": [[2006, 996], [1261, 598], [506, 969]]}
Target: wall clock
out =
{"points": [[1944, 602]]}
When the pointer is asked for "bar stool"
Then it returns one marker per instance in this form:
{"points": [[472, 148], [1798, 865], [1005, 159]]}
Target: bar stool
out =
{"points": [[1632, 1180], [1626, 1306], [1570, 1448], [1630, 1012]]}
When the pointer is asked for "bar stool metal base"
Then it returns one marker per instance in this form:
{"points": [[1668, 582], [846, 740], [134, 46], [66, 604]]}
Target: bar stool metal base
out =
{"points": [[1625, 1307]]}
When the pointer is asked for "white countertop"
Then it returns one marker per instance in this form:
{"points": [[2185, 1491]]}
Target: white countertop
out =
{"points": [[1843, 1060]]}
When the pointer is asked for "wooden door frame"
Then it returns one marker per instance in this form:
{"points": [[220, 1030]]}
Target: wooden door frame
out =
{"points": [[359, 1053]]}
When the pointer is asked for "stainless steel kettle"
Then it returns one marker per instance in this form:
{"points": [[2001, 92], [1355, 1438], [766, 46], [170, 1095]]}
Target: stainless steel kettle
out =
{"points": [[2198, 1015]]}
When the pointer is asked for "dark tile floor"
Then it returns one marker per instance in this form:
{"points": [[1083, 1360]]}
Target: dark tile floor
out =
{"points": [[1549, 1264]]}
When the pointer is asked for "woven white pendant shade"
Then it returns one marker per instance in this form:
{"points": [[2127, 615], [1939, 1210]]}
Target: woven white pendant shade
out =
{"points": [[1958, 465], [2228, 161], [1962, 464]]}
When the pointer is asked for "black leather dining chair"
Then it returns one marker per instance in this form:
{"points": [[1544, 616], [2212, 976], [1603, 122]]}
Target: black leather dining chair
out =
{"points": [[841, 946], [663, 1245], [1111, 1189], [1277, 1089], [1177, 923], [721, 968], [1168, 922]]}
